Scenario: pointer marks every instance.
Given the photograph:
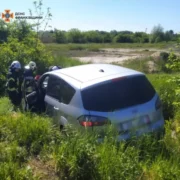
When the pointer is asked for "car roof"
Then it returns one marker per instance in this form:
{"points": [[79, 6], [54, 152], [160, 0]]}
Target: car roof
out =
{"points": [[92, 73]]}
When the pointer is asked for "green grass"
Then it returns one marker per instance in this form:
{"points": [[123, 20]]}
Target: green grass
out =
{"points": [[31, 147], [136, 64], [96, 46], [143, 64], [66, 61], [78, 50], [166, 90]]}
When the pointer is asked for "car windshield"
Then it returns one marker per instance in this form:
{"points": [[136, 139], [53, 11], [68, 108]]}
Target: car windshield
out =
{"points": [[118, 94]]}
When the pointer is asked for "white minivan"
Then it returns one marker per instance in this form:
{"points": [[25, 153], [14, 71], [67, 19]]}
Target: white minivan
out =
{"points": [[95, 95]]}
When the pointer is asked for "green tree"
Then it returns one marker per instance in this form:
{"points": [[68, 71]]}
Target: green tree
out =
{"points": [[93, 37], [124, 38], [169, 35], [141, 37], [113, 34], [23, 51], [60, 36], [157, 34], [75, 36], [3, 31], [20, 29], [126, 32], [107, 38]]}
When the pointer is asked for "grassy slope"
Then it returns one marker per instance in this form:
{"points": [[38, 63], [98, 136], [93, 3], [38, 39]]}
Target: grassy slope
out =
{"points": [[95, 46], [78, 50], [33, 148]]}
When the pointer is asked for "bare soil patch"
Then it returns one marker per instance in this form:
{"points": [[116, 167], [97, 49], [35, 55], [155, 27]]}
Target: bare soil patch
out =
{"points": [[117, 55], [44, 171]]}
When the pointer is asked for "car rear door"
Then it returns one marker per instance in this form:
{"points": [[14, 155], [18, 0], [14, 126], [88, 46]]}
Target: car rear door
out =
{"points": [[52, 97], [58, 97]]}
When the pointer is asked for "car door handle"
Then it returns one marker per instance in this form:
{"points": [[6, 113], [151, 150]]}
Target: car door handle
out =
{"points": [[56, 108]]}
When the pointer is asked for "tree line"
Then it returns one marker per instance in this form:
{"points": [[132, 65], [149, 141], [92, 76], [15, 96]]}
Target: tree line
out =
{"points": [[22, 28], [95, 36]]}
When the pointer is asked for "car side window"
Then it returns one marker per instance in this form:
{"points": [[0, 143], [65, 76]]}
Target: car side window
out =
{"points": [[67, 92], [60, 90], [54, 87]]}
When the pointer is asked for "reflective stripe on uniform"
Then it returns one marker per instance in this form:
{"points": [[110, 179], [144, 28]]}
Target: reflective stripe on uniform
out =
{"points": [[29, 89], [18, 82], [12, 89], [11, 79]]}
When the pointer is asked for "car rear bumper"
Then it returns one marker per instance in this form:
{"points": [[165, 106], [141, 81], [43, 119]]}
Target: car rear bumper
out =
{"points": [[154, 127]]}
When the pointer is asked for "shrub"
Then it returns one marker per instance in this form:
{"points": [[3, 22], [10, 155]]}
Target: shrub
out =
{"points": [[166, 91], [11, 170], [164, 56], [5, 106], [31, 132], [173, 65], [76, 154], [27, 50], [161, 62]]}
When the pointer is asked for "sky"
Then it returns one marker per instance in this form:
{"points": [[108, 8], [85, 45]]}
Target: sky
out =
{"points": [[106, 15]]}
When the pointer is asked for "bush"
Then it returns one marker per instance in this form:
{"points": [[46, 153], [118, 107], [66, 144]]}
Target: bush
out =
{"points": [[166, 92], [164, 56], [81, 157], [32, 132], [30, 49], [5, 106], [173, 65], [11, 170], [163, 59]]}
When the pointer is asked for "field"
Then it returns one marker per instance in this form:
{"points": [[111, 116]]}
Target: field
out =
{"points": [[113, 53], [31, 147]]}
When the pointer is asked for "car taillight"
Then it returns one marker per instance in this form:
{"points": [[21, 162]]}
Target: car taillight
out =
{"points": [[90, 121], [158, 104]]}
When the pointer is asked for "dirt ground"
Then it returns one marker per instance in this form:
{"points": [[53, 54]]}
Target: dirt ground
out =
{"points": [[119, 55]]}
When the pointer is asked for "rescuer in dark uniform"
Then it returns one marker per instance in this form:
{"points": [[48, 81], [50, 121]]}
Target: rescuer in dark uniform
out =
{"points": [[29, 83], [13, 83]]}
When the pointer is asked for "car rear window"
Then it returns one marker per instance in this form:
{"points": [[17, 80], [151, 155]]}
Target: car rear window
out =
{"points": [[118, 94]]}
